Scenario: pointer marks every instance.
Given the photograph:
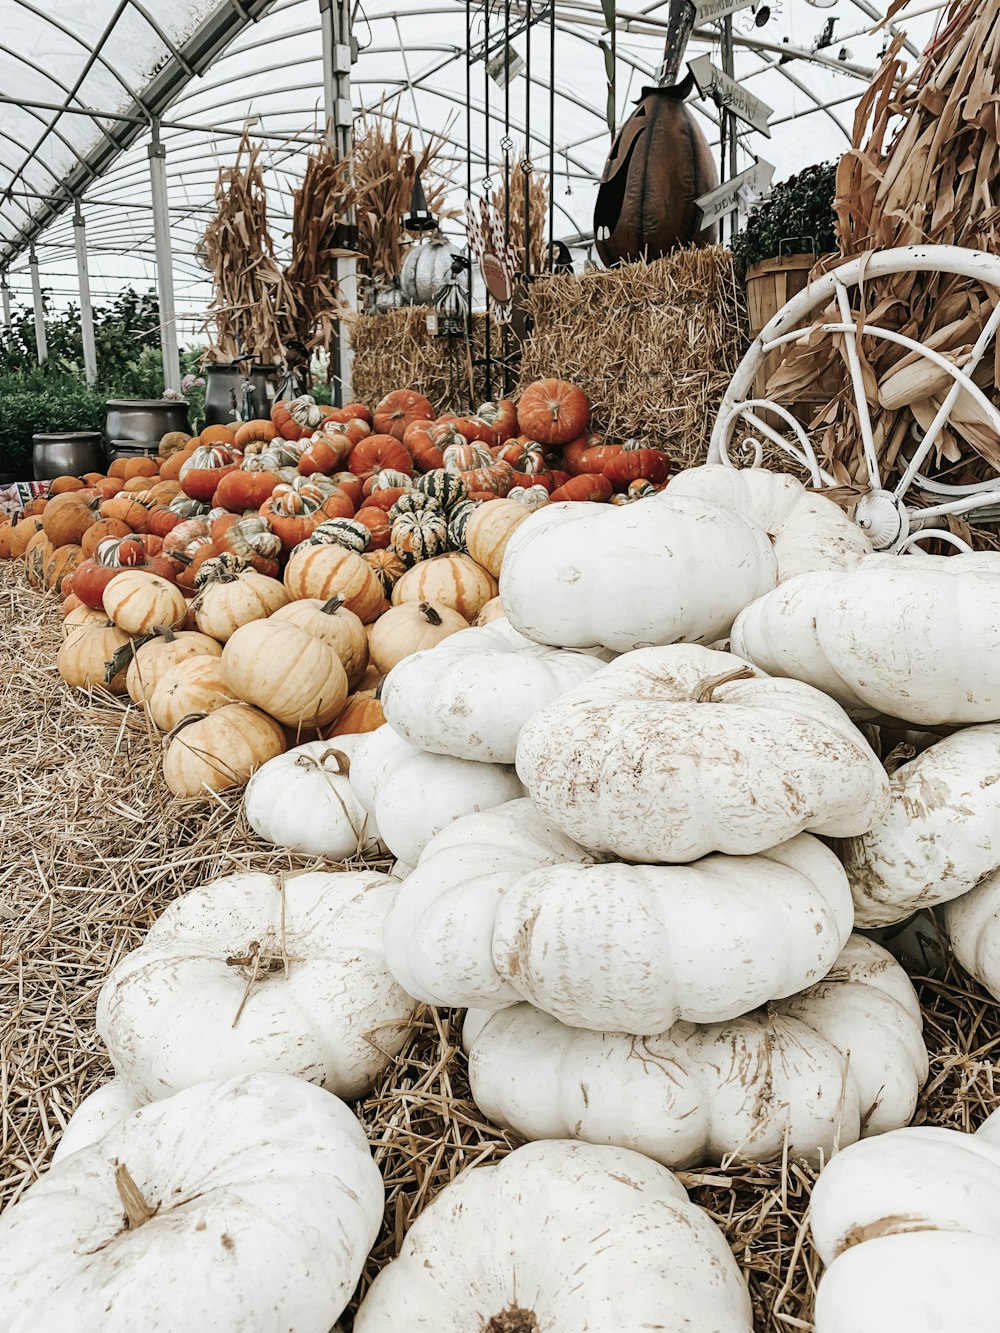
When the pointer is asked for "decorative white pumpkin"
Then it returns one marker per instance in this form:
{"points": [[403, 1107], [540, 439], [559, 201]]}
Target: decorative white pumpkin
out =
{"points": [[562, 1237], [470, 696], [503, 908], [249, 1204], [304, 800], [843, 1059], [909, 1228], [664, 570], [412, 795], [95, 1115], [670, 753], [910, 637], [972, 924], [808, 531], [255, 972], [940, 835]]}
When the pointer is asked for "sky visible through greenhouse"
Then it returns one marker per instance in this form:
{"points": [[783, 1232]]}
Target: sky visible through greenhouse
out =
{"points": [[262, 69]]}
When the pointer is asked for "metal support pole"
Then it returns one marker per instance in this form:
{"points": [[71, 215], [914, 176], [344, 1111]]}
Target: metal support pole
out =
{"points": [[8, 322], [86, 309], [41, 346], [728, 120], [335, 19], [164, 261]]}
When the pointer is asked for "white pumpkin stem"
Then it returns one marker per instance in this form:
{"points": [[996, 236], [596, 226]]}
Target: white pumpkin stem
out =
{"points": [[515, 1319], [898, 756], [137, 1210], [429, 614], [705, 689]]}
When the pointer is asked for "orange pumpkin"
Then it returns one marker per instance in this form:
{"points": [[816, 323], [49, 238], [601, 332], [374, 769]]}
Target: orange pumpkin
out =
{"points": [[161, 521], [397, 410], [388, 567], [60, 485], [239, 490], [379, 453], [204, 469], [254, 432], [171, 469], [219, 435], [497, 480], [500, 417], [66, 518], [377, 522], [630, 465], [597, 459], [350, 485], [294, 513], [574, 451], [128, 509], [20, 534], [326, 452], [59, 563], [35, 506], [587, 486], [99, 531], [384, 498], [126, 468], [553, 411], [362, 712]]}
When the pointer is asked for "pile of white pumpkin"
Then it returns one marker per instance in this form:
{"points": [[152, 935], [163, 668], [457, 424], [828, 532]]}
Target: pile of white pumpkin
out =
{"points": [[638, 860]]}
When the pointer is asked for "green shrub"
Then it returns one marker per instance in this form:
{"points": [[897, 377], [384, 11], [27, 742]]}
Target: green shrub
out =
{"points": [[798, 217]]}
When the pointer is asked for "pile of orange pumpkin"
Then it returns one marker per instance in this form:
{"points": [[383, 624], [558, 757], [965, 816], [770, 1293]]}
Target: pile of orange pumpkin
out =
{"points": [[376, 531]]}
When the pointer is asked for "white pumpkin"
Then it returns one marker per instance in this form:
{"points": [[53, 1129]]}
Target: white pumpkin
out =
{"points": [[909, 1228], [562, 1237], [910, 637], [670, 753], [249, 1204], [940, 835], [660, 571], [259, 973], [972, 924], [470, 696], [412, 795], [95, 1115], [304, 800], [843, 1059], [808, 531], [502, 908]]}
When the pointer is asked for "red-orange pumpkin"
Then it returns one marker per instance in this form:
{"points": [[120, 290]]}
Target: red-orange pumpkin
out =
{"points": [[205, 468], [597, 459], [496, 480], [588, 486], [379, 453], [637, 465], [327, 452], [501, 417], [239, 490], [292, 514], [376, 520], [398, 409], [553, 411], [256, 432]]}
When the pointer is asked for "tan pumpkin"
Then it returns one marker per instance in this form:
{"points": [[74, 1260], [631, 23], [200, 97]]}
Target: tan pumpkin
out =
{"points": [[286, 671], [234, 600], [338, 628], [192, 687], [83, 657], [66, 518], [493, 610], [80, 616], [221, 750], [371, 680], [363, 712], [453, 580], [160, 655], [62, 561], [21, 533], [333, 571], [139, 602], [37, 554], [490, 528], [410, 628]]}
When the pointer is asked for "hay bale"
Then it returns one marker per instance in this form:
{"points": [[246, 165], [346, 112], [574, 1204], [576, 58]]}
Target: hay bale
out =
{"points": [[395, 351], [653, 344]]}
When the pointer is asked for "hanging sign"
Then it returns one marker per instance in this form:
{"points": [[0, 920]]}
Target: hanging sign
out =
{"points": [[726, 197], [707, 11], [726, 92], [505, 66]]}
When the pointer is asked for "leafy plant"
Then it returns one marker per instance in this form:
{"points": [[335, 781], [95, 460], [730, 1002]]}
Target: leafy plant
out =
{"points": [[798, 217]]}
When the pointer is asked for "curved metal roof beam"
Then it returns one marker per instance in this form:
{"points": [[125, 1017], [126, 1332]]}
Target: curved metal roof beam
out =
{"points": [[74, 37], [63, 87]]}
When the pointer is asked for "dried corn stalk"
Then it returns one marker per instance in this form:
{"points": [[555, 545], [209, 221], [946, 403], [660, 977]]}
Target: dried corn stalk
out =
{"points": [[309, 304], [512, 188]]}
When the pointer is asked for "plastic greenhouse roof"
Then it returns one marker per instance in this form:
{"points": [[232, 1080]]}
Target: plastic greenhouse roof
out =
{"points": [[208, 68]]}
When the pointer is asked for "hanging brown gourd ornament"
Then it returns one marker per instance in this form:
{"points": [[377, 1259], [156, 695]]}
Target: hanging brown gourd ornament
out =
{"points": [[659, 164]]}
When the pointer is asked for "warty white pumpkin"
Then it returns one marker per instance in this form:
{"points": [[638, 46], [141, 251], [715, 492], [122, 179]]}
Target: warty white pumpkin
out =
{"points": [[304, 800], [843, 1059], [259, 973], [670, 753], [412, 795], [940, 835], [502, 907], [909, 637], [807, 530], [561, 1237], [470, 695], [658, 571], [909, 1228], [256, 1197]]}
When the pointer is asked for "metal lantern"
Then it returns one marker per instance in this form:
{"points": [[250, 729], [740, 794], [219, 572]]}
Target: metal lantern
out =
{"points": [[426, 269]]}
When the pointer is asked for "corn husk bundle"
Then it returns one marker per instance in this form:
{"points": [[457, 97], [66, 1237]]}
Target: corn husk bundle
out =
{"points": [[512, 188], [386, 165], [923, 168], [321, 207]]}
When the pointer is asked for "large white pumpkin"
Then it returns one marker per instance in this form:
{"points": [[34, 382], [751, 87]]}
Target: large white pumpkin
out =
{"points": [[412, 795], [256, 972], [843, 1059], [627, 576], [503, 908], [909, 1228], [940, 835], [562, 1237], [972, 924], [95, 1115], [670, 753], [911, 637], [248, 1205], [470, 696], [808, 531], [304, 800]]}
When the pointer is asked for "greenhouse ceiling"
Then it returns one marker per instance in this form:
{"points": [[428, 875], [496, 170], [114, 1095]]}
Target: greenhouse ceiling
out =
{"points": [[85, 83]]}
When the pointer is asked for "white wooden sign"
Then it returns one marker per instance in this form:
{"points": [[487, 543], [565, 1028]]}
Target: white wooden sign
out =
{"points": [[725, 198], [726, 92], [707, 11]]}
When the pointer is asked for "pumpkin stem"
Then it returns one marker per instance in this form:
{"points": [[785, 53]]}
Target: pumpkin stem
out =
{"points": [[184, 722], [515, 1319], [332, 606], [705, 689], [342, 761], [137, 1210], [898, 756], [429, 614]]}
